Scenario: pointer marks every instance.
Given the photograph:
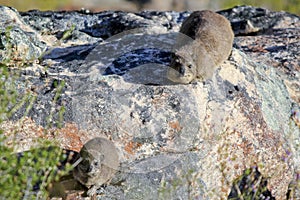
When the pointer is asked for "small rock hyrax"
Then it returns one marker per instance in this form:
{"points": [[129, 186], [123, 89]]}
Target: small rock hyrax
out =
{"points": [[204, 42], [99, 162]]}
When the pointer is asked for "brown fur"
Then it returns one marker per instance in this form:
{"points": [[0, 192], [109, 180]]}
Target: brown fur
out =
{"points": [[208, 44]]}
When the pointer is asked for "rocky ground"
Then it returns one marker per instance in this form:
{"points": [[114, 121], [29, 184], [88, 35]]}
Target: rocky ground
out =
{"points": [[103, 75]]}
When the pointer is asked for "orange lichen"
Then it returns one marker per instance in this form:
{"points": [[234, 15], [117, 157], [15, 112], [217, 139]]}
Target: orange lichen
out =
{"points": [[25, 133], [131, 147], [71, 136], [175, 125]]}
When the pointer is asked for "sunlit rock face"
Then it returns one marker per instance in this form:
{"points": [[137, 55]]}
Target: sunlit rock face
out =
{"points": [[108, 71]]}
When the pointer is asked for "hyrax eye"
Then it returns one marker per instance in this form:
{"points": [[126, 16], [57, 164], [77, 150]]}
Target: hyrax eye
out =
{"points": [[181, 70], [96, 163], [190, 66]]}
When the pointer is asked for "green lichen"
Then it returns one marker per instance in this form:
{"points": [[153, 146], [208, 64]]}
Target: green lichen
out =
{"points": [[276, 104]]}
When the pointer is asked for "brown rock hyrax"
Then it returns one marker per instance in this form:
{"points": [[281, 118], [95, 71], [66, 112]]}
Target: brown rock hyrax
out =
{"points": [[204, 42], [99, 161]]}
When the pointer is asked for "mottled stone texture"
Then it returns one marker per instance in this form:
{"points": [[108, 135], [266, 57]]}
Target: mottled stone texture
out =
{"points": [[174, 141]]}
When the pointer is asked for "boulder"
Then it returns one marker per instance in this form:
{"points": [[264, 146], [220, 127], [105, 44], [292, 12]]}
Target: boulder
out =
{"points": [[104, 75]]}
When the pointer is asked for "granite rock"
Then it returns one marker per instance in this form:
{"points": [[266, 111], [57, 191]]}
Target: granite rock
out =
{"points": [[174, 141]]}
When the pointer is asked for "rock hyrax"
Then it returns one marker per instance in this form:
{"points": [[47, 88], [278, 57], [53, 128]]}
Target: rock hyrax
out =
{"points": [[99, 162], [205, 43]]}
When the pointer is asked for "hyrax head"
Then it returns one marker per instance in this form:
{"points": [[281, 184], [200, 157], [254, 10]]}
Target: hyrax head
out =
{"points": [[182, 69]]}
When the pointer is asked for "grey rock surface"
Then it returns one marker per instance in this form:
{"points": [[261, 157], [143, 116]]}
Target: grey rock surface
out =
{"points": [[174, 141], [18, 40]]}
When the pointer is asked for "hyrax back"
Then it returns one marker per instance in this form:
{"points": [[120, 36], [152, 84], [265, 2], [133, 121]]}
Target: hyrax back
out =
{"points": [[204, 42]]}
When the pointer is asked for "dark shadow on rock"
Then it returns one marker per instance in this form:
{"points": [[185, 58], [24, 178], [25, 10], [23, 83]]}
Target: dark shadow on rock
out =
{"points": [[67, 156], [135, 59], [248, 20], [138, 56], [79, 52], [251, 185], [142, 66]]}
